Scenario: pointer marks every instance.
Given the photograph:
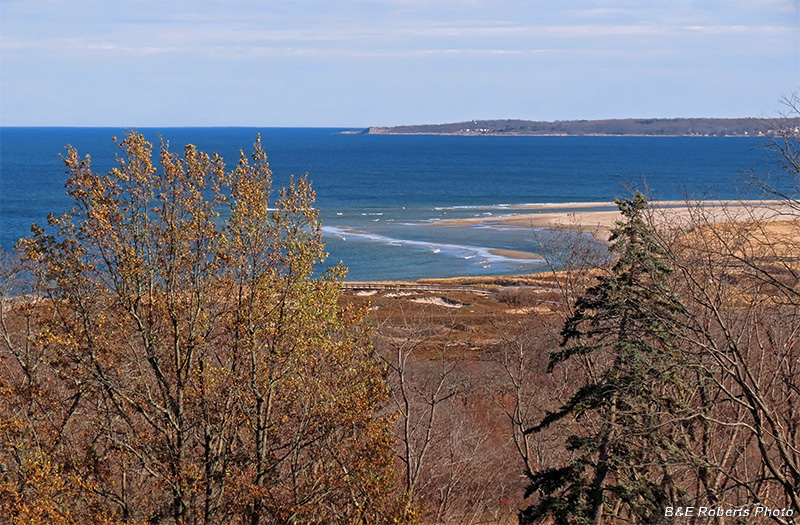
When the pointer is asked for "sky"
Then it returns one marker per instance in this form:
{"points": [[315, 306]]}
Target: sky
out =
{"points": [[358, 63]]}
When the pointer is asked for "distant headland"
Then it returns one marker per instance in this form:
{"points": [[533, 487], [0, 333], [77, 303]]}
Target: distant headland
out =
{"points": [[655, 127]]}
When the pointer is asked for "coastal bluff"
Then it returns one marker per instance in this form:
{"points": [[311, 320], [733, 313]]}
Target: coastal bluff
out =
{"points": [[690, 127]]}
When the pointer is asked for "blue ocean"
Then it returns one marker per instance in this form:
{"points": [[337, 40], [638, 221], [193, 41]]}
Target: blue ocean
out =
{"points": [[381, 196]]}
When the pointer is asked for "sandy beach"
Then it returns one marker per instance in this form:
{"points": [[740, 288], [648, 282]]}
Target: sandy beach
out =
{"points": [[598, 218], [517, 254]]}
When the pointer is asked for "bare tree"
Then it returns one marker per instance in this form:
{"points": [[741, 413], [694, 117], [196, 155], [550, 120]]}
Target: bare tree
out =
{"points": [[739, 285], [448, 439]]}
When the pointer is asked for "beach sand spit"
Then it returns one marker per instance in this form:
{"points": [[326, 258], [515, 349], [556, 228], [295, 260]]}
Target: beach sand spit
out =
{"points": [[516, 254], [598, 218]]}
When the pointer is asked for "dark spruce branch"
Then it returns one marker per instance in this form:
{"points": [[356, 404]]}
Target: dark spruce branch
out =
{"points": [[621, 463]]}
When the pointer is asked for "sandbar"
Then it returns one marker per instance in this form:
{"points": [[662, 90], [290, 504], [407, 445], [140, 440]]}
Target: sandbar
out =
{"points": [[516, 254], [597, 218]]}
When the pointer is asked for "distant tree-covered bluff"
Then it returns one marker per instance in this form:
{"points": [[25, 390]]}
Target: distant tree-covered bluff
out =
{"points": [[647, 127]]}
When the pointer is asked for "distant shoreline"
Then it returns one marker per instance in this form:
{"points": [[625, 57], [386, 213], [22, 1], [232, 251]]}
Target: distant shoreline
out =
{"points": [[657, 127], [544, 135]]}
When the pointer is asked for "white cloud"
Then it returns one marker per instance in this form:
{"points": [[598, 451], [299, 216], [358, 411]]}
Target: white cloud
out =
{"points": [[781, 6], [343, 50], [145, 50], [400, 26], [728, 30]]}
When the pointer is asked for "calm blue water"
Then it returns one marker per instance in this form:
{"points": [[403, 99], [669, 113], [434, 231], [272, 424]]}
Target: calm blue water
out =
{"points": [[380, 196]]}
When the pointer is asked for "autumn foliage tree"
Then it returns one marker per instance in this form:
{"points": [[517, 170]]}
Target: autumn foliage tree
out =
{"points": [[192, 367]]}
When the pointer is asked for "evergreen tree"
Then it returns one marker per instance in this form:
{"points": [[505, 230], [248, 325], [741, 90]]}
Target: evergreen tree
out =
{"points": [[625, 326]]}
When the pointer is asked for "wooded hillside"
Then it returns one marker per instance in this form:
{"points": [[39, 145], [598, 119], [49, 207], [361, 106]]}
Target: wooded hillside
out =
{"points": [[729, 127]]}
